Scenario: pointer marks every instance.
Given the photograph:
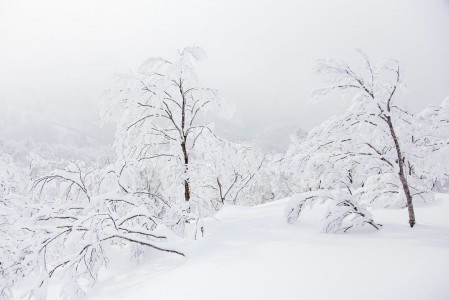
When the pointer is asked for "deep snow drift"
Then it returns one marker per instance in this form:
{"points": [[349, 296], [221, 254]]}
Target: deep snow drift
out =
{"points": [[252, 253]]}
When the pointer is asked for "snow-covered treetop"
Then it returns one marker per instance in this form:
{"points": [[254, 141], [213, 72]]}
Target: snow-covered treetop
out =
{"points": [[160, 104]]}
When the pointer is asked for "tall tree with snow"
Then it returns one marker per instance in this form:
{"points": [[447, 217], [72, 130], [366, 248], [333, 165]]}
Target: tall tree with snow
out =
{"points": [[158, 112], [378, 129]]}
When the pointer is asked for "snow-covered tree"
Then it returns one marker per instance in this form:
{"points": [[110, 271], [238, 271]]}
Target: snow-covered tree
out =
{"points": [[382, 130], [234, 172], [11, 175], [158, 113], [161, 130], [434, 135], [377, 153]]}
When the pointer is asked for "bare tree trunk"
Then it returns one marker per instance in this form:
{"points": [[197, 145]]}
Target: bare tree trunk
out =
{"points": [[220, 190], [408, 196], [184, 134], [186, 164]]}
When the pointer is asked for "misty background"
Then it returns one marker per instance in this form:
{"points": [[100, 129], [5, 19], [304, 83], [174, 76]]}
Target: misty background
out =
{"points": [[57, 57]]}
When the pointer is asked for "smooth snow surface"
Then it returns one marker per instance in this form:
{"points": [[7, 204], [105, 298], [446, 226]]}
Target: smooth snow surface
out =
{"points": [[252, 253]]}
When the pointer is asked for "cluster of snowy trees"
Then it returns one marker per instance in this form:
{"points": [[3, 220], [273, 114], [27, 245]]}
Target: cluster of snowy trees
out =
{"points": [[61, 209]]}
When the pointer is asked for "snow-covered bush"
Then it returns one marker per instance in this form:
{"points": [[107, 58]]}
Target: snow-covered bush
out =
{"points": [[343, 212], [67, 220]]}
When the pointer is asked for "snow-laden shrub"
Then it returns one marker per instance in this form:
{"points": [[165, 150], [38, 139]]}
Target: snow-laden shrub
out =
{"points": [[343, 211], [294, 208], [68, 219]]}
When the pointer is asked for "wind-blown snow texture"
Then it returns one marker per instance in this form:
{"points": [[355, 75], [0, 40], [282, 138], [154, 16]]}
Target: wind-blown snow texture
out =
{"points": [[253, 253]]}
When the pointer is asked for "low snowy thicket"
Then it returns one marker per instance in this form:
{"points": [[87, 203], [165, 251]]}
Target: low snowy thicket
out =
{"points": [[63, 221], [377, 154]]}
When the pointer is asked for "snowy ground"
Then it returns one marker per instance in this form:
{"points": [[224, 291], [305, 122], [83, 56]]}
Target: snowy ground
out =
{"points": [[252, 253]]}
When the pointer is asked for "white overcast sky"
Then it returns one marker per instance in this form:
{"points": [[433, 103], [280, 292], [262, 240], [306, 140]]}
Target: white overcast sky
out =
{"points": [[56, 57]]}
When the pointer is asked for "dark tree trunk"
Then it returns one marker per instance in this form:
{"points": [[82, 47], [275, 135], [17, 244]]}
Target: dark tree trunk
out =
{"points": [[408, 196], [184, 134], [220, 190], [186, 164]]}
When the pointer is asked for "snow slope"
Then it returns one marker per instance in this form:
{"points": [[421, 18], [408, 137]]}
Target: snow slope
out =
{"points": [[252, 253]]}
